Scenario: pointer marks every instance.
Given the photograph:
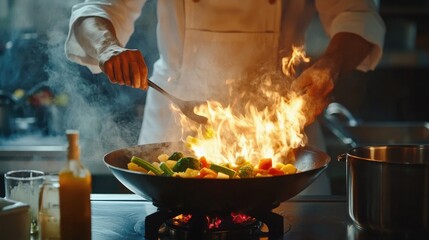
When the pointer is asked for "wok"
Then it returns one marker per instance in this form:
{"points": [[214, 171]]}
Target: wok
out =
{"points": [[213, 195]]}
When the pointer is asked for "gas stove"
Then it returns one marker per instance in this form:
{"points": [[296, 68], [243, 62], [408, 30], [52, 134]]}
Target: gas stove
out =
{"points": [[166, 224]]}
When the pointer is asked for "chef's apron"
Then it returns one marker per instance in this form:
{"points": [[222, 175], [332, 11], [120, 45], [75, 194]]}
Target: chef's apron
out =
{"points": [[223, 40]]}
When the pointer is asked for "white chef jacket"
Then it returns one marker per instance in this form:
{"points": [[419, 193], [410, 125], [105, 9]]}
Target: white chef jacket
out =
{"points": [[355, 16], [187, 28]]}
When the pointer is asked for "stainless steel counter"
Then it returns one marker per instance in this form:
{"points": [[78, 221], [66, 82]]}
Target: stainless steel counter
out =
{"points": [[122, 216]]}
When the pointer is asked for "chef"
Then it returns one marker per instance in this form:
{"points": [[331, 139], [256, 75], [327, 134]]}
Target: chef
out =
{"points": [[203, 43]]}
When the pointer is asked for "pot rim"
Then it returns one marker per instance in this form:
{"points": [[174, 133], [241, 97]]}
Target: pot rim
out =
{"points": [[352, 153]]}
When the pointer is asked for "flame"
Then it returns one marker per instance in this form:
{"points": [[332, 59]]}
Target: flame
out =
{"points": [[253, 134], [213, 222], [289, 63], [240, 218], [182, 218]]}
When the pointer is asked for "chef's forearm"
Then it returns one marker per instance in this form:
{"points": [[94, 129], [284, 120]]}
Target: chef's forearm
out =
{"points": [[95, 34], [345, 52]]}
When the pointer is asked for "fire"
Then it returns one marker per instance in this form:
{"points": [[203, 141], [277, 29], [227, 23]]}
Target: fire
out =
{"points": [[255, 133], [213, 222], [182, 218], [298, 56], [240, 218]]}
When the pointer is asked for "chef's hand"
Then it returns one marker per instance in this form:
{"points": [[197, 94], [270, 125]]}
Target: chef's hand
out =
{"points": [[344, 53], [124, 66], [314, 85]]}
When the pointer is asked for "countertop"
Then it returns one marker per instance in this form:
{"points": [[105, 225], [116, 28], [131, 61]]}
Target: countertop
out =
{"points": [[121, 216]]}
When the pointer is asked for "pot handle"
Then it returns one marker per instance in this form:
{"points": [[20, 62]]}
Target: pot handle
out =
{"points": [[342, 157]]}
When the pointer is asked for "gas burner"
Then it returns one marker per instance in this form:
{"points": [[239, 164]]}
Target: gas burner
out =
{"points": [[197, 226], [166, 224]]}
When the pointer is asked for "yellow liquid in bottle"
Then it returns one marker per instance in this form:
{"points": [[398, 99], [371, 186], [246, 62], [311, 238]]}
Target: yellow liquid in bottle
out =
{"points": [[75, 191], [75, 205]]}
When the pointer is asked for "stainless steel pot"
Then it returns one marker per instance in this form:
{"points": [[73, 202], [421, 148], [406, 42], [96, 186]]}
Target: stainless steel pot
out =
{"points": [[388, 188]]}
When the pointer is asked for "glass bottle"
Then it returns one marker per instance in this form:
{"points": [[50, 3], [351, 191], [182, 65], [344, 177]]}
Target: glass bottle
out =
{"points": [[75, 190]]}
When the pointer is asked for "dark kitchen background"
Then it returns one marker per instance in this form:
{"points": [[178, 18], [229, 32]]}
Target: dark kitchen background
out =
{"points": [[42, 94]]}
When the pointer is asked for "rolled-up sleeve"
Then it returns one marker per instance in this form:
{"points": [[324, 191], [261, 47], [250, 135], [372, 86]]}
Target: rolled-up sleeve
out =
{"points": [[121, 13], [355, 16]]}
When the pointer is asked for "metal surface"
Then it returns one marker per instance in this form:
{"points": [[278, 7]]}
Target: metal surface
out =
{"points": [[121, 216], [389, 133], [33, 147], [315, 219], [187, 107], [388, 188], [209, 195], [356, 133]]}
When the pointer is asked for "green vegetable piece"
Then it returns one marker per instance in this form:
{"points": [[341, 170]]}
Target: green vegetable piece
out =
{"points": [[166, 169], [176, 156], [186, 162], [246, 171], [146, 165], [218, 168]]}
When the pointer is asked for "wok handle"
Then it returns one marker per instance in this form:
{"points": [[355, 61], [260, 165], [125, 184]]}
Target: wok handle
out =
{"points": [[335, 108], [342, 157]]}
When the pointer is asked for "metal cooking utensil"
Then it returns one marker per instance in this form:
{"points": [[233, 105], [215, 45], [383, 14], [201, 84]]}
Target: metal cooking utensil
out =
{"points": [[213, 195], [187, 107], [387, 188]]}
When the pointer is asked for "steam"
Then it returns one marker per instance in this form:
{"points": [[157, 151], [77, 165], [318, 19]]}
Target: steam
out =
{"points": [[103, 113], [95, 107], [89, 110]]}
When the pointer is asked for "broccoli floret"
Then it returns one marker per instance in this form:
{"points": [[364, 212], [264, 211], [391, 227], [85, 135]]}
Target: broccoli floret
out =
{"points": [[246, 171], [175, 156], [186, 162]]}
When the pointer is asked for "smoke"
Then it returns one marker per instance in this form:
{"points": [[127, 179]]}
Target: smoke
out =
{"points": [[93, 108], [105, 114]]}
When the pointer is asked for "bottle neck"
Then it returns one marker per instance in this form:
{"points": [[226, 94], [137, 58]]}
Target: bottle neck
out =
{"points": [[73, 152], [73, 148]]}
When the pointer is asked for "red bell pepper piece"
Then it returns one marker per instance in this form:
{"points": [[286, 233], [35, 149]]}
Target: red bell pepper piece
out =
{"points": [[265, 163], [275, 171], [207, 173], [204, 162]]}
